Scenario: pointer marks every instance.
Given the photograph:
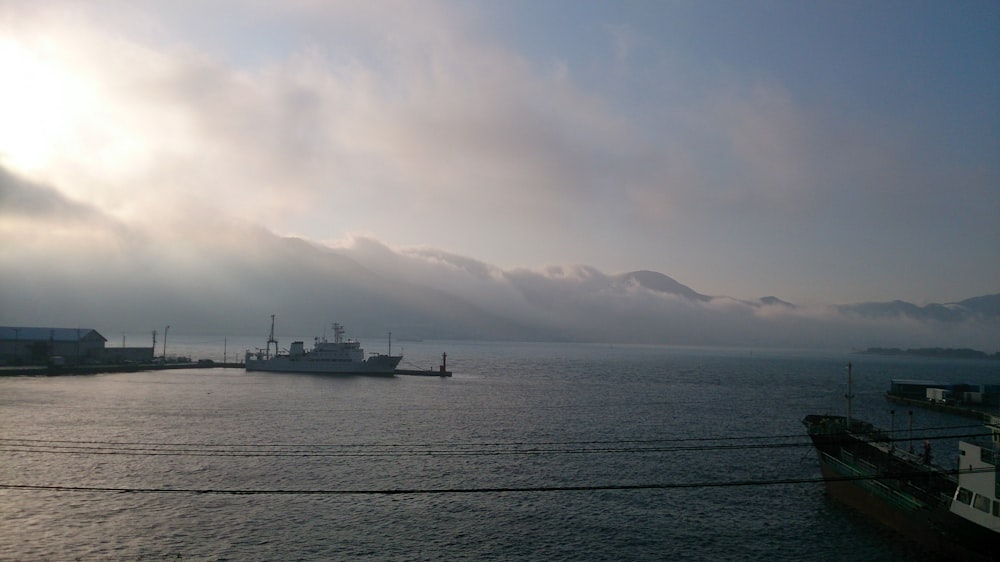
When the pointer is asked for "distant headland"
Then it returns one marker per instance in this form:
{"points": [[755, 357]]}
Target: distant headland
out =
{"points": [[934, 352]]}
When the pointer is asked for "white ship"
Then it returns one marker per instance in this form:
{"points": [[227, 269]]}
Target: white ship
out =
{"points": [[338, 357]]}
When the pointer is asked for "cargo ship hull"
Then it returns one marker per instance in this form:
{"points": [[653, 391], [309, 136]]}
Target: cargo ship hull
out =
{"points": [[898, 489], [928, 527]]}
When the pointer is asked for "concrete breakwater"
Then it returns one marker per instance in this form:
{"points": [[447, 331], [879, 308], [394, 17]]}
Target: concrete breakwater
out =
{"points": [[972, 411]]}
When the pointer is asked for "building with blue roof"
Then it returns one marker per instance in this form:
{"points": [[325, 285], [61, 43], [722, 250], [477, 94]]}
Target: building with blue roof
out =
{"points": [[21, 345]]}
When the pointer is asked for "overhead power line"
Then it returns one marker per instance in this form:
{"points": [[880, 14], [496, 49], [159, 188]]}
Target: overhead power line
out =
{"points": [[456, 444], [487, 490], [40, 446]]}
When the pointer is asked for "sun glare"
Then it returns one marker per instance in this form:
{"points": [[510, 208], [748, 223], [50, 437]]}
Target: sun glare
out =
{"points": [[36, 107]]}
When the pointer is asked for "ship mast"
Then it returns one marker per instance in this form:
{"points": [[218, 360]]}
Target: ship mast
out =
{"points": [[270, 340]]}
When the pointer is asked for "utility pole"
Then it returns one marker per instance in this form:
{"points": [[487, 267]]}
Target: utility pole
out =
{"points": [[892, 429], [849, 396], [911, 431]]}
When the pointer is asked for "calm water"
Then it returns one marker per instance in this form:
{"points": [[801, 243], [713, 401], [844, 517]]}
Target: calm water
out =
{"points": [[534, 416]]}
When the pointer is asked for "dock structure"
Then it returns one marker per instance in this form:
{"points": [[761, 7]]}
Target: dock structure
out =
{"points": [[441, 371], [56, 370], [971, 400], [958, 409]]}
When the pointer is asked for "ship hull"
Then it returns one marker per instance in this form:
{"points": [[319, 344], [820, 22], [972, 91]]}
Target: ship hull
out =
{"points": [[382, 365], [906, 496], [935, 529]]}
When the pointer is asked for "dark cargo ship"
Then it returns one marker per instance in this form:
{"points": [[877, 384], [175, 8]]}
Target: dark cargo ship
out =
{"points": [[953, 512]]}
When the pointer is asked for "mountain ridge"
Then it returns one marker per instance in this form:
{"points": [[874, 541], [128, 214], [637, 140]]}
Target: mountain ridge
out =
{"points": [[985, 306], [225, 278]]}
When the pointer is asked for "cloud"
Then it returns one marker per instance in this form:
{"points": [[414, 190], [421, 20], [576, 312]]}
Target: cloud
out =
{"points": [[214, 276], [425, 118], [437, 124], [39, 223], [22, 198], [426, 128]]}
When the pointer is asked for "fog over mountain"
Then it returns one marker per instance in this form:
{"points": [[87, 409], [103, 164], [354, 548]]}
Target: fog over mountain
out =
{"points": [[67, 264]]}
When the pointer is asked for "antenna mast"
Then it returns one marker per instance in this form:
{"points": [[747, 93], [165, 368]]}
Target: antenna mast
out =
{"points": [[849, 396]]}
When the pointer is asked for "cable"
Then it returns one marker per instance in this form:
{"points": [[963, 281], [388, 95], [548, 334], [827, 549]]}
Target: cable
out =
{"points": [[467, 444], [219, 453], [50, 447], [389, 445], [526, 489]]}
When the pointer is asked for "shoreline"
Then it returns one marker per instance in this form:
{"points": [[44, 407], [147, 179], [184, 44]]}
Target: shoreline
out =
{"points": [[50, 370]]}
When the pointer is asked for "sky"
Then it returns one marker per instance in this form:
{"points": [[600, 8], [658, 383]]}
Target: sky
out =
{"points": [[822, 152]]}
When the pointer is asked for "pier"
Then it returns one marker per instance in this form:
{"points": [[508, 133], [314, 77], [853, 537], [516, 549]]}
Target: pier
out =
{"points": [[57, 370], [977, 411], [441, 371]]}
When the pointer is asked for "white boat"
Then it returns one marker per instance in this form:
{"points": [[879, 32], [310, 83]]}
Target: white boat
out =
{"points": [[338, 357]]}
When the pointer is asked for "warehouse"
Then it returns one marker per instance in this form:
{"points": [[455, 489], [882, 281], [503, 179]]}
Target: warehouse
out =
{"points": [[39, 346]]}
